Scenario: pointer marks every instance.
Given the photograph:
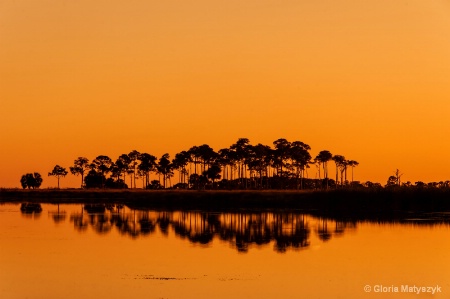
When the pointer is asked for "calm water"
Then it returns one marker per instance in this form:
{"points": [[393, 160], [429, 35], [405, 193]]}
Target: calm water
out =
{"points": [[78, 251]]}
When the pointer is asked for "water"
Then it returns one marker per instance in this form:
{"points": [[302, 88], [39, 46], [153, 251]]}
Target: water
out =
{"points": [[77, 251]]}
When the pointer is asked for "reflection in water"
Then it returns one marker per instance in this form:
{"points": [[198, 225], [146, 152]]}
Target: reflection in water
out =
{"points": [[286, 231], [31, 210], [241, 230], [58, 215]]}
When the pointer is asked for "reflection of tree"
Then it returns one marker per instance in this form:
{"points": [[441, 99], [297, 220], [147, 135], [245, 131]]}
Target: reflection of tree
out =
{"points": [[80, 224], [164, 222], [322, 230], [31, 210], [58, 216], [293, 232], [287, 231], [342, 226]]}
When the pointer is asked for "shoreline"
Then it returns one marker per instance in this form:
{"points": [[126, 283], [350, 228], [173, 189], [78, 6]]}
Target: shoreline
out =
{"points": [[383, 201]]}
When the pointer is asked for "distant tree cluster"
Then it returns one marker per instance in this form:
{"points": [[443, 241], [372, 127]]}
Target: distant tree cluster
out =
{"points": [[31, 180], [284, 165]]}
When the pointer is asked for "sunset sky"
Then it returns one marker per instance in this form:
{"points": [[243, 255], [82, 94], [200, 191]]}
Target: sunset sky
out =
{"points": [[367, 79]]}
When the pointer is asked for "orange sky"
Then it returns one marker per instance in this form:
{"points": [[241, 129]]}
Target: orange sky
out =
{"points": [[369, 80]]}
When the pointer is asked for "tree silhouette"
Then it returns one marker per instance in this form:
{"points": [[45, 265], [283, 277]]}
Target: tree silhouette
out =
{"points": [[80, 165], [339, 161], [281, 154], [241, 165], [241, 153], [180, 162], [213, 173], [352, 164], [258, 160], [31, 180], [300, 159], [281, 158], [164, 167], [123, 164], [103, 165], [58, 172], [134, 156], [194, 157], [207, 155], [147, 165], [323, 157]]}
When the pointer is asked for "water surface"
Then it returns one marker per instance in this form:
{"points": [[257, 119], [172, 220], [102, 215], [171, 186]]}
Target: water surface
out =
{"points": [[93, 251]]}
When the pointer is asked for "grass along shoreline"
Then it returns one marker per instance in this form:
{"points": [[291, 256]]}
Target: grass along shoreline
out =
{"points": [[339, 200]]}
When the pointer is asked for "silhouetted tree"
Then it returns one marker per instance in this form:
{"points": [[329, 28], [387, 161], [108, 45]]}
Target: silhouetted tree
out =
{"points": [[194, 154], [123, 164], [213, 173], [58, 172], [300, 158], [352, 164], [258, 160], [80, 165], [207, 155], [398, 176], [323, 157], [94, 179], [164, 167], [241, 154], [31, 180], [339, 161], [134, 156], [103, 165], [281, 155], [147, 165], [155, 184], [180, 162], [227, 157], [392, 181]]}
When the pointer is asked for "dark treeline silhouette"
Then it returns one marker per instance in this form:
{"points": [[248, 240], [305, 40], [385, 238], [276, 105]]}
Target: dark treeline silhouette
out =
{"points": [[241, 166]]}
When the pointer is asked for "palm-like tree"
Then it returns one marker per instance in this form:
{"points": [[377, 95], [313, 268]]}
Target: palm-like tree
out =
{"points": [[180, 162], [339, 161], [213, 173], [207, 155], [352, 164], [241, 153], [103, 165], [300, 159], [134, 156], [123, 165], [281, 155], [164, 167], [147, 165], [194, 157], [258, 160], [58, 172], [80, 165], [322, 158]]}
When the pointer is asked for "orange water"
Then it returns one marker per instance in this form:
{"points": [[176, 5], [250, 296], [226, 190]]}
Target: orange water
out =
{"points": [[123, 253]]}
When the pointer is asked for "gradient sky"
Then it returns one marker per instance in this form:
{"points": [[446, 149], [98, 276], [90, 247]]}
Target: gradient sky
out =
{"points": [[368, 79]]}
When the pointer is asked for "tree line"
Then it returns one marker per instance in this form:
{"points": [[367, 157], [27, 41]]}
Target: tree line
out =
{"points": [[284, 165]]}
